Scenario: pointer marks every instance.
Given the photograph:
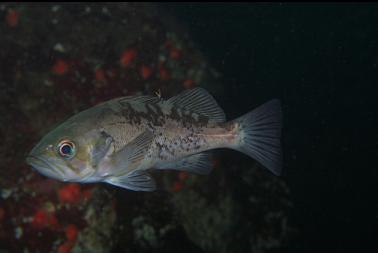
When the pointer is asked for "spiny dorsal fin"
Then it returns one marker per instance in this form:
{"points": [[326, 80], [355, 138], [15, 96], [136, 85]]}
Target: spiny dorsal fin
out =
{"points": [[138, 180], [198, 100], [140, 99], [129, 99], [135, 99]]}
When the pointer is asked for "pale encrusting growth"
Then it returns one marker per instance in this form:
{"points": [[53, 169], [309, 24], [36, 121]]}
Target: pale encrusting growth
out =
{"points": [[118, 141]]}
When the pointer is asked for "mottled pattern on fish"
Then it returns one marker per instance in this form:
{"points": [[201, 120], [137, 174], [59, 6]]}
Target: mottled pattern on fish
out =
{"points": [[177, 132], [117, 141]]}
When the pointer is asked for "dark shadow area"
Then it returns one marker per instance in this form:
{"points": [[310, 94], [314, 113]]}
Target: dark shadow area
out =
{"points": [[321, 60]]}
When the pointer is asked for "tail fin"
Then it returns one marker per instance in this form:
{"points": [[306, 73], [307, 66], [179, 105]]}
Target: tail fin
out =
{"points": [[260, 133]]}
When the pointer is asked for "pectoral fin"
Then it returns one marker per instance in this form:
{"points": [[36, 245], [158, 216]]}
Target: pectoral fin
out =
{"points": [[101, 148], [129, 158], [138, 180]]}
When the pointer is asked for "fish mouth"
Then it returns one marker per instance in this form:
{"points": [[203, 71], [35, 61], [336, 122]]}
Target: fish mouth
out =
{"points": [[44, 167]]}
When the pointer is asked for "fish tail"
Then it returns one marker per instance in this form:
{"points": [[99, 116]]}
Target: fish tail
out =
{"points": [[259, 133]]}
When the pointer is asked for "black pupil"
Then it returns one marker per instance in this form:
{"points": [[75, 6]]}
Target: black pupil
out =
{"points": [[66, 149]]}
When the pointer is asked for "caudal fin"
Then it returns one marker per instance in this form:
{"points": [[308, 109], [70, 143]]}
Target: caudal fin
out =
{"points": [[260, 133]]}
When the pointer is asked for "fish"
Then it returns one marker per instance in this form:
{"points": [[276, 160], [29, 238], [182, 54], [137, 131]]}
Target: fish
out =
{"points": [[122, 140]]}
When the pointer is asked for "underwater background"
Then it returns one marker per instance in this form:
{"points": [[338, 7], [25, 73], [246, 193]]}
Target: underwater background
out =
{"points": [[319, 59]]}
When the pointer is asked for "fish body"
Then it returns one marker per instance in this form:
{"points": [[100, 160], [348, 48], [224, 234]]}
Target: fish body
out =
{"points": [[118, 141]]}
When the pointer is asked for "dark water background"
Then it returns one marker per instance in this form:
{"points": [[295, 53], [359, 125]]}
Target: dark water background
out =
{"points": [[321, 60]]}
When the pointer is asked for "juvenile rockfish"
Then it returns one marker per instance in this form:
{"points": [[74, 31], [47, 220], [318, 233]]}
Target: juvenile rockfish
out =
{"points": [[118, 141]]}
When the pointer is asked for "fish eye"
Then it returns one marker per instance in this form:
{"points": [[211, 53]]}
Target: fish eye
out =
{"points": [[66, 149]]}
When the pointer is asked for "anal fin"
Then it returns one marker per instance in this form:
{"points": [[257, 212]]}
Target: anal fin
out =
{"points": [[199, 164], [138, 180]]}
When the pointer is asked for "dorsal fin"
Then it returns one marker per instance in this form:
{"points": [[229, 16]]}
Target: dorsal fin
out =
{"points": [[198, 100], [130, 99], [140, 99], [135, 99]]}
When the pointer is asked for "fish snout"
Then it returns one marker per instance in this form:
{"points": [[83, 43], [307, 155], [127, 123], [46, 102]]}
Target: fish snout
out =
{"points": [[42, 166]]}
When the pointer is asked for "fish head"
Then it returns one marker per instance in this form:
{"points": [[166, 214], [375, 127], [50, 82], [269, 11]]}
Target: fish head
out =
{"points": [[70, 152]]}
